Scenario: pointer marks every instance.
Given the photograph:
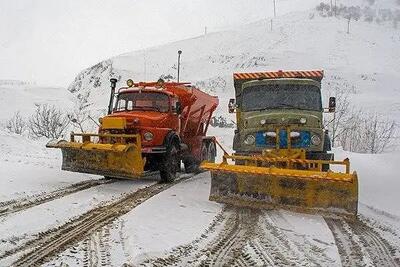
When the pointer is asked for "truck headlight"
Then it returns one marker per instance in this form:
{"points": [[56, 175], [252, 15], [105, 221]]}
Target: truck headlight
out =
{"points": [[270, 134], [250, 139], [148, 136], [294, 134], [315, 140]]}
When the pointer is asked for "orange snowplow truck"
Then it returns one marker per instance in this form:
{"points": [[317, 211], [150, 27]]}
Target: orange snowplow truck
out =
{"points": [[149, 127]]}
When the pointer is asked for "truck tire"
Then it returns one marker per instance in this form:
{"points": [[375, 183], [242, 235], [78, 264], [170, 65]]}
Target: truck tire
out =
{"points": [[204, 151], [211, 152], [191, 165], [327, 143], [168, 168], [328, 156]]}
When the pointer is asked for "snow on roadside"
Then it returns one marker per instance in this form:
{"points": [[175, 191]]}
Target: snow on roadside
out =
{"points": [[28, 168], [378, 179]]}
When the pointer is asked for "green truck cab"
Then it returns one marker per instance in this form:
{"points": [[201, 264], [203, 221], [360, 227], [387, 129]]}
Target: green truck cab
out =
{"points": [[280, 111]]}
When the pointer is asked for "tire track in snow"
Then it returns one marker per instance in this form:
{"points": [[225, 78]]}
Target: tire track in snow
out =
{"points": [[53, 241], [288, 246], [351, 253], [16, 205], [188, 254], [244, 237], [224, 243], [97, 249], [229, 243], [359, 244]]}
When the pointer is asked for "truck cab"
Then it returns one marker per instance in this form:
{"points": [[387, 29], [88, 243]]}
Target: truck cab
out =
{"points": [[149, 112]]}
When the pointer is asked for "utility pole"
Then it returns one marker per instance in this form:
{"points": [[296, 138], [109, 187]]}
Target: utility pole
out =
{"points": [[348, 25], [274, 8], [144, 64], [334, 129], [205, 30], [271, 25], [335, 8], [179, 62]]}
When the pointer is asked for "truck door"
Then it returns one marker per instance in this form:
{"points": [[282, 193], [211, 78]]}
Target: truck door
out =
{"points": [[175, 115]]}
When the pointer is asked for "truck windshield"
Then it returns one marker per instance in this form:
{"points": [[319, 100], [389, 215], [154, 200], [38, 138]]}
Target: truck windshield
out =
{"points": [[142, 101], [277, 96]]}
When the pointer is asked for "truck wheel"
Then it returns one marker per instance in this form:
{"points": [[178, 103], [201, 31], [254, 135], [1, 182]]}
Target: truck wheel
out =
{"points": [[212, 152], [168, 168], [191, 165], [204, 151], [327, 143]]}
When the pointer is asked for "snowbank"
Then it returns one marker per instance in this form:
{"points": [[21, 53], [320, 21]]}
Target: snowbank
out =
{"points": [[27, 168], [378, 178]]}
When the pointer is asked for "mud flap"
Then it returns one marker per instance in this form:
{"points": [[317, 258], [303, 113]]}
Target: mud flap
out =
{"points": [[113, 160], [299, 190]]}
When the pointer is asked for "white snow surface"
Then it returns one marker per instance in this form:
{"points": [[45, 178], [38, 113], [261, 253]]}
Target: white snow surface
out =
{"points": [[19, 96], [175, 216], [365, 61]]}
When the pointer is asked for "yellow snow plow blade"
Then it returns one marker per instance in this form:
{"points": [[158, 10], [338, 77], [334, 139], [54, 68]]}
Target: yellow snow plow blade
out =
{"points": [[118, 155], [253, 184]]}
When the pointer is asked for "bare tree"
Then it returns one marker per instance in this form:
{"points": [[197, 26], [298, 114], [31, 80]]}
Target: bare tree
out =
{"points": [[354, 129], [367, 133], [48, 121], [79, 117], [16, 124], [337, 124], [378, 133]]}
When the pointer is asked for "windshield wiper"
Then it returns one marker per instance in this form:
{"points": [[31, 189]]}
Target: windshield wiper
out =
{"points": [[281, 105], [156, 108]]}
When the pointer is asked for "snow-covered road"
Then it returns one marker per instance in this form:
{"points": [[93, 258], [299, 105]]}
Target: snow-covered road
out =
{"points": [[180, 227], [52, 217]]}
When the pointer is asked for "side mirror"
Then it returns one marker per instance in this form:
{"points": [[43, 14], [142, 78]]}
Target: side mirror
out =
{"points": [[232, 105], [178, 107], [332, 104]]}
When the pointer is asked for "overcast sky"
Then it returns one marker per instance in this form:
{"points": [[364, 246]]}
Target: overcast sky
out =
{"points": [[50, 41]]}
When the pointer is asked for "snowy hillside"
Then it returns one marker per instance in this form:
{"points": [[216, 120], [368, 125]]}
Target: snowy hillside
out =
{"points": [[23, 97], [364, 62]]}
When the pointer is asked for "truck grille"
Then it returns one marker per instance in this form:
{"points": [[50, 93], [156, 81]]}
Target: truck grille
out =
{"points": [[301, 141]]}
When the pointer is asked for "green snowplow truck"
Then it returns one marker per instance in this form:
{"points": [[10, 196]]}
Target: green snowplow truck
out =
{"points": [[282, 151]]}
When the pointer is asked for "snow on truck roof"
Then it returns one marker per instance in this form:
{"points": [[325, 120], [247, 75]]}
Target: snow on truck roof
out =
{"points": [[310, 74], [152, 86]]}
